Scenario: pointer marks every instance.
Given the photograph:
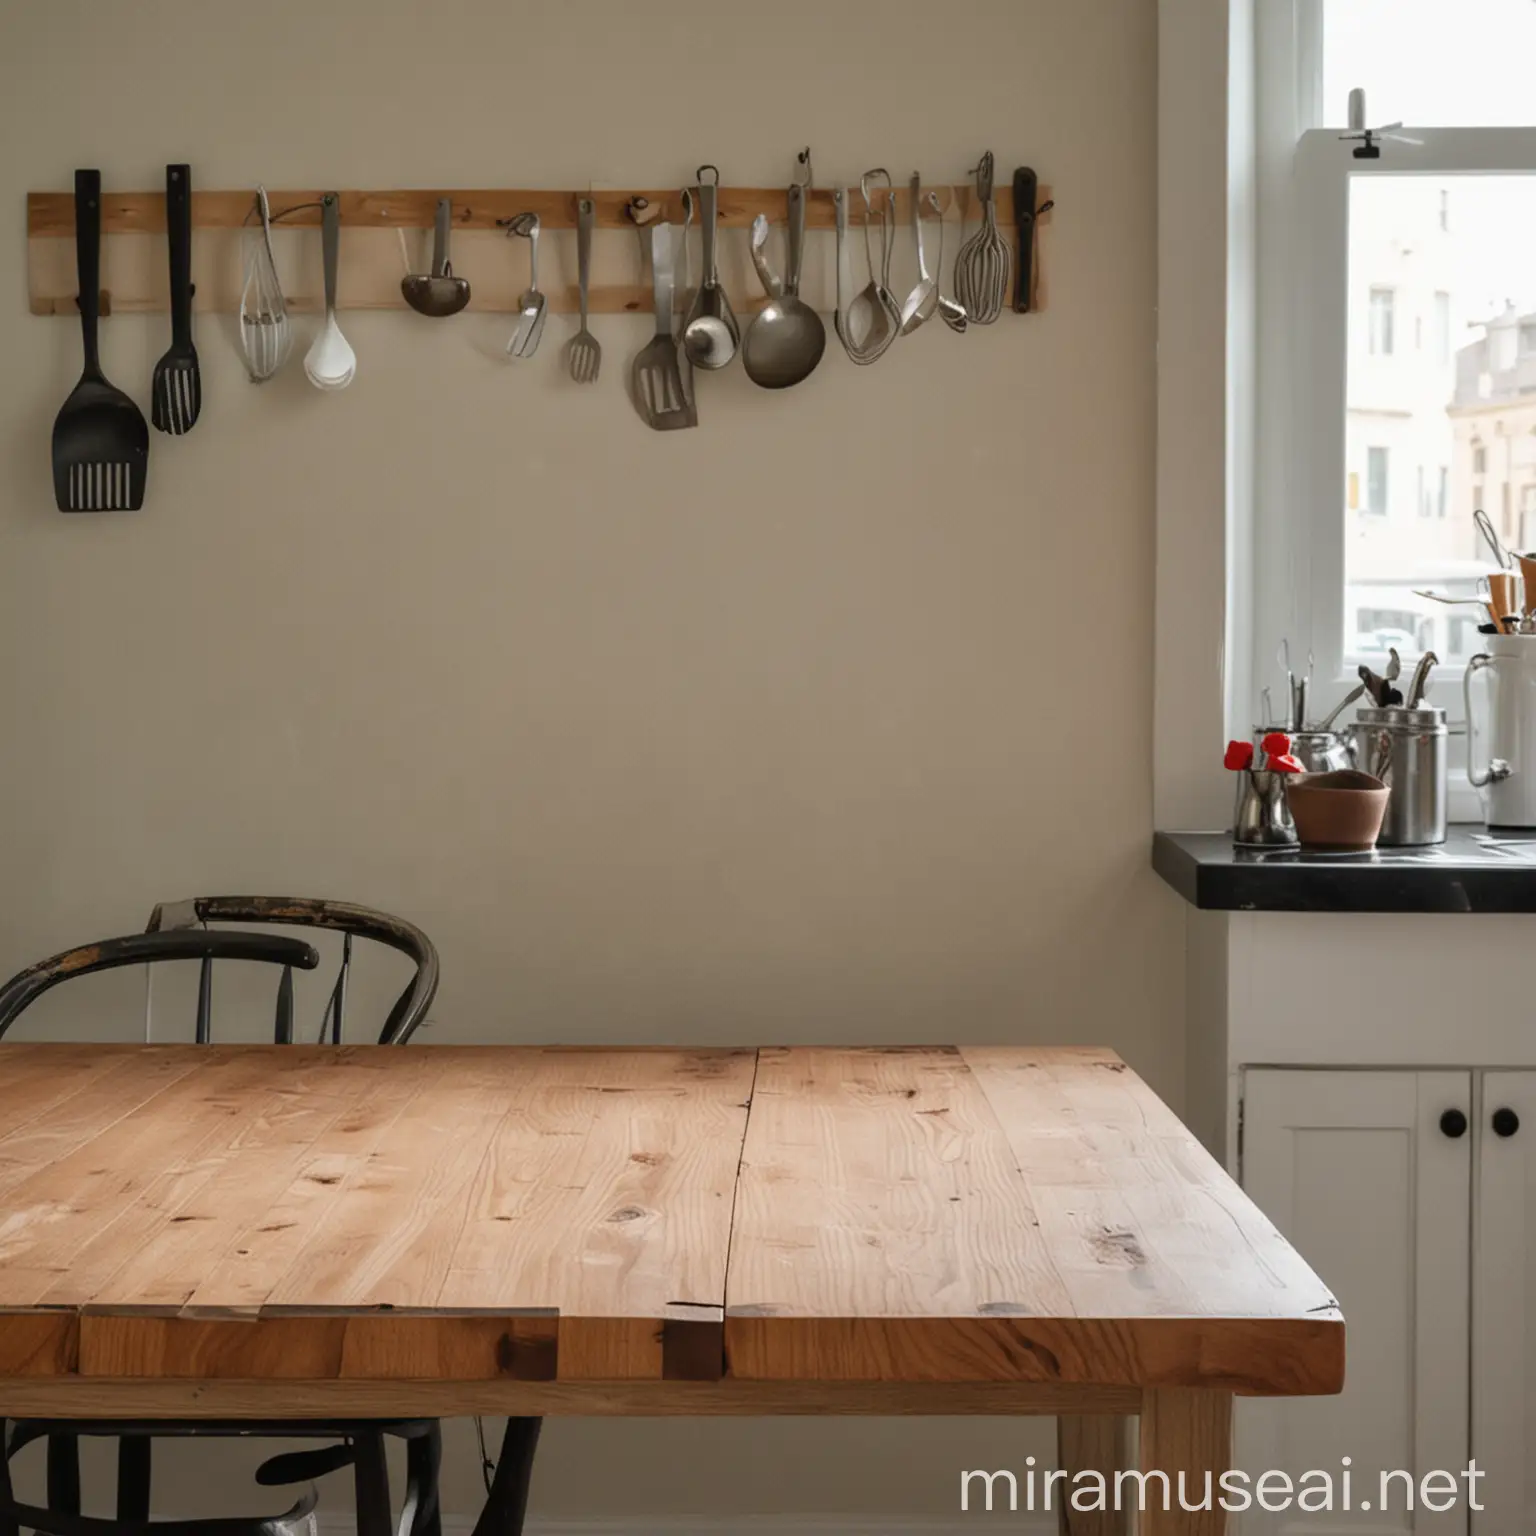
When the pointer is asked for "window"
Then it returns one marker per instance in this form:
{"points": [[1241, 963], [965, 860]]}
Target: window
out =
{"points": [[1376, 481], [1383, 303], [1439, 231]]}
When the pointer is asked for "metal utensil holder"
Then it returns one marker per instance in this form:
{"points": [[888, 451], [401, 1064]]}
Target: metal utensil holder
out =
{"points": [[1406, 750]]}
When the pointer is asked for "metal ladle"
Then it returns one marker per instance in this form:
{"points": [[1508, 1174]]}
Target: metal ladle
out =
{"points": [[711, 335], [437, 293], [787, 338]]}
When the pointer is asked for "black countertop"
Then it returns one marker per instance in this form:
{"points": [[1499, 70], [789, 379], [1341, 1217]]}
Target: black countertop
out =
{"points": [[1472, 871]]}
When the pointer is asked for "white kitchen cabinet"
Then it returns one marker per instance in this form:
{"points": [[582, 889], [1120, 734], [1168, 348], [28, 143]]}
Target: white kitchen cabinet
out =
{"points": [[1357, 1171], [1504, 1304]]}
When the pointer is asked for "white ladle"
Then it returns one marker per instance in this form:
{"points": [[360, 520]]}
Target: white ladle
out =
{"points": [[330, 362]]}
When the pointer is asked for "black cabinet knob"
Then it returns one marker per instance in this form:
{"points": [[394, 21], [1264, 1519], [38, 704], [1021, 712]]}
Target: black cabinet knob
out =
{"points": [[1453, 1123], [1505, 1122]]}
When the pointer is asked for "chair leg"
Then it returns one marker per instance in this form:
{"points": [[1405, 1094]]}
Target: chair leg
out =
{"points": [[506, 1505], [133, 1464], [423, 1463], [8, 1525], [370, 1474], [64, 1474]]}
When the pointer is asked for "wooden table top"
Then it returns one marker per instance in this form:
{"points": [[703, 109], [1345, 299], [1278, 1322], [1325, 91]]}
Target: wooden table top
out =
{"points": [[370, 1214]]}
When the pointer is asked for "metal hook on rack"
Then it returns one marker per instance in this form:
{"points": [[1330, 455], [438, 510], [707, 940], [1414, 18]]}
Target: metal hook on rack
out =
{"points": [[803, 159]]}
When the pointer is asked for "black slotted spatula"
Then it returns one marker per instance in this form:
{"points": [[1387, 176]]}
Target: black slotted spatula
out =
{"points": [[100, 437], [176, 397]]}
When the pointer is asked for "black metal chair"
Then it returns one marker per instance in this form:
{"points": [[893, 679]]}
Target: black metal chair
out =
{"points": [[178, 933]]}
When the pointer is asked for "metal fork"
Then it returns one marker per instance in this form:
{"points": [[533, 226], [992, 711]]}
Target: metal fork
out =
{"points": [[586, 355]]}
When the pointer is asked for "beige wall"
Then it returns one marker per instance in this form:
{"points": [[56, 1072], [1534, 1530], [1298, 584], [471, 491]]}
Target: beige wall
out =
{"points": [[790, 728]]}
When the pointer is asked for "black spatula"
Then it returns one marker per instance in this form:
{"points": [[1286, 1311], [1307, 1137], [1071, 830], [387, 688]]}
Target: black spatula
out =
{"points": [[100, 438], [176, 397]]}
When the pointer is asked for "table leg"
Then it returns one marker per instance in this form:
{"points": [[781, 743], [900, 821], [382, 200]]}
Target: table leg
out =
{"points": [[1190, 1432], [1092, 1443]]}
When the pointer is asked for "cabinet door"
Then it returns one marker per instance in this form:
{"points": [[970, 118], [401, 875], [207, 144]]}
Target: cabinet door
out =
{"points": [[1504, 1314], [1357, 1171]]}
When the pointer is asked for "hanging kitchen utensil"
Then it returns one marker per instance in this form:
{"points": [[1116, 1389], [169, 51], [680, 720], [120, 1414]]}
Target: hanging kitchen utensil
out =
{"points": [[586, 354], [711, 334], [656, 375], [1026, 190], [437, 293], [533, 307], [840, 258], [951, 311], [923, 301], [100, 438], [984, 264], [786, 338], [330, 362], [176, 393], [873, 320], [773, 285], [265, 333]]}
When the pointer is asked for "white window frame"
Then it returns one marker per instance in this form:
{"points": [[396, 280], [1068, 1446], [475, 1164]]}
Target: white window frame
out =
{"points": [[1305, 172]]}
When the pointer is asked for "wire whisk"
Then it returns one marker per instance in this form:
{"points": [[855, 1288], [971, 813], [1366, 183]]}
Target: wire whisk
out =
{"points": [[266, 336], [984, 265]]}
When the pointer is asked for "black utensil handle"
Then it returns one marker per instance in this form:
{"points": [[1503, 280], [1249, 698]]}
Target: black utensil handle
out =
{"points": [[1026, 190], [88, 259], [440, 237], [178, 226]]}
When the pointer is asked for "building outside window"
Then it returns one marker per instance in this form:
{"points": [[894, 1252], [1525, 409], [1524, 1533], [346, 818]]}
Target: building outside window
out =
{"points": [[1383, 308], [1376, 481]]}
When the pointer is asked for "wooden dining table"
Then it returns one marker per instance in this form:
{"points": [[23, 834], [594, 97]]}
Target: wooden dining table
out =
{"points": [[310, 1232]]}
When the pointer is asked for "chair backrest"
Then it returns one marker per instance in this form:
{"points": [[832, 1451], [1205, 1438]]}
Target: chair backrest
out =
{"points": [[24, 988], [352, 922]]}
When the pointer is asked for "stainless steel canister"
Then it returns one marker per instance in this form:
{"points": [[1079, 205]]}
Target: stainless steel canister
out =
{"points": [[1406, 750]]}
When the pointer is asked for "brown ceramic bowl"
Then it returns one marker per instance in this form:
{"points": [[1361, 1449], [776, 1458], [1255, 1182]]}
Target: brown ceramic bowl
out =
{"points": [[1337, 812]]}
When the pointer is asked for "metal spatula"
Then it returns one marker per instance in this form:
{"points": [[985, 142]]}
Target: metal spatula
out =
{"points": [[657, 376], [100, 438], [176, 398]]}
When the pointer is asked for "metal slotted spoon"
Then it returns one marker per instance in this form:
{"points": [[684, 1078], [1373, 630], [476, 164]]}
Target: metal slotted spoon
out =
{"points": [[984, 266]]}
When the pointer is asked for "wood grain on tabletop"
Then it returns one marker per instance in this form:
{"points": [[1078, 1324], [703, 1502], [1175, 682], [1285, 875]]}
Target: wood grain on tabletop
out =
{"points": [[953, 1213], [915, 1215], [372, 1213]]}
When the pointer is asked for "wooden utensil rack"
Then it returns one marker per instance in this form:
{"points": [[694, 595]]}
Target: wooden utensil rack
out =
{"points": [[134, 272]]}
